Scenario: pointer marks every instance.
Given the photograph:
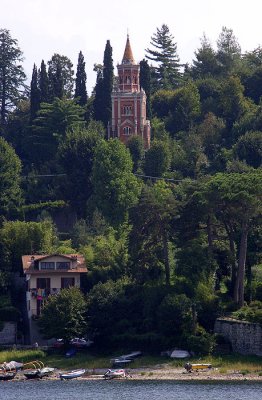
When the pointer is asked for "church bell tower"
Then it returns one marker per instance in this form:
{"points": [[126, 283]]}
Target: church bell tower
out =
{"points": [[129, 102]]}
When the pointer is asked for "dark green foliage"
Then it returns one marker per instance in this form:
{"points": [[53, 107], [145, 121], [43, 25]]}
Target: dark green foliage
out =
{"points": [[80, 85], [12, 75], [60, 76], [157, 159], [43, 83], [136, 148], [251, 313], [116, 189], [124, 314], [184, 109], [248, 148], [104, 85], [228, 51], [206, 63], [10, 180], [18, 238], [9, 314], [51, 125], [166, 73], [151, 231], [76, 154], [34, 94], [63, 315], [145, 84], [175, 316], [202, 343], [253, 85]]}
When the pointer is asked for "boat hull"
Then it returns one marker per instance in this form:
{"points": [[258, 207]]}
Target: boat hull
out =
{"points": [[72, 374], [7, 376]]}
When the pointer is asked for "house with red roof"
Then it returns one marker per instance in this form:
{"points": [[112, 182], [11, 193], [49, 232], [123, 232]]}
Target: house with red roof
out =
{"points": [[46, 275]]}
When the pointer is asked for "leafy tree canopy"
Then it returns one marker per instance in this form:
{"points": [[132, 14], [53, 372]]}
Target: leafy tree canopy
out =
{"points": [[63, 315]]}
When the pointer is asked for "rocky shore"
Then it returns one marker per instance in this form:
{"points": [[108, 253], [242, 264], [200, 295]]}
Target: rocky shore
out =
{"points": [[162, 373]]}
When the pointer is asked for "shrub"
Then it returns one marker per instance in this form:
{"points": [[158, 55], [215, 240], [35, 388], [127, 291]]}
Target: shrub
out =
{"points": [[201, 343], [251, 313]]}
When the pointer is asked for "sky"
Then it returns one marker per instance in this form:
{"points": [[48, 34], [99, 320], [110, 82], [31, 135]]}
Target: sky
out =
{"points": [[46, 27]]}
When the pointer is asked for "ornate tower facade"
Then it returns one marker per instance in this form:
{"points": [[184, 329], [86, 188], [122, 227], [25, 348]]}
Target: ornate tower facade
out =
{"points": [[129, 102]]}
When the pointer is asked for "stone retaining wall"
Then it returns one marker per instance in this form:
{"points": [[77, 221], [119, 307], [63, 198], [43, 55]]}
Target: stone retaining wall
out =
{"points": [[245, 337], [8, 333]]}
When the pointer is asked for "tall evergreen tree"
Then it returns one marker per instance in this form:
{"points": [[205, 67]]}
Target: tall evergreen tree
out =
{"points": [[60, 73], [103, 88], [34, 94], [12, 75], [145, 83], [206, 63], [228, 51], [80, 89], [43, 83], [164, 54]]}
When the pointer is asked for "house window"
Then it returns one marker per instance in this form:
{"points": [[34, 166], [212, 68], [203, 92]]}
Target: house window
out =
{"points": [[67, 282], [63, 265], [47, 265], [127, 130]]}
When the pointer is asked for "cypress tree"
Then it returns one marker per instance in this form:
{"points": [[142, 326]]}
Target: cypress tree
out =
{"points": [[43, 83], [34, 94], [145, 83], [103, 88], [80, 89], [108, 74]]}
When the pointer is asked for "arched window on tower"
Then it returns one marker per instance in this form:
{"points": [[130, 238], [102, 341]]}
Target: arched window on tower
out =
{"points": [[127, 79], [134, 79], [127, 130], [127, 110]]}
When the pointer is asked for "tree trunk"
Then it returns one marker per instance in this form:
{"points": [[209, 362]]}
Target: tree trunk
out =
{"points": [[239, 286], [232, 247]]}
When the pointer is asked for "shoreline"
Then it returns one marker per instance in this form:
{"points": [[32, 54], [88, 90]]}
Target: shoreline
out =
{"points": [[161, 374]]}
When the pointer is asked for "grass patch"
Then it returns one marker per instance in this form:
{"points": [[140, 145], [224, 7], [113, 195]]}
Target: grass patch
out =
{"points": [[91, 360], [22, 355]]}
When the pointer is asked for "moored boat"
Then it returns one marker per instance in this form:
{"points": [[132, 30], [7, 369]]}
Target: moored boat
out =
{"points": [[196, 367], [116, 373], [7, 376], [32, 374], [77, 373]]}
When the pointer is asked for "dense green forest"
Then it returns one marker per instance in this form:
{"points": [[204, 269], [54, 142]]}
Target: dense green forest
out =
{"points": [[171, 236]]}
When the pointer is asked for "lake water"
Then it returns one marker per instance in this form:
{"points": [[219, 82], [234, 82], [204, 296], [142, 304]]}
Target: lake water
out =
{"points": [[129, 390]]}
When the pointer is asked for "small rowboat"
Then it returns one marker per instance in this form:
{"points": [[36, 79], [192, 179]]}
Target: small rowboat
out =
{"points": [[116, 373], [72, 374], [196, 367], [7, 376]]}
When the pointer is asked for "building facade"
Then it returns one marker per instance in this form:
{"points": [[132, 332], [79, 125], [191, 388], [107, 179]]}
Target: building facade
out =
{"points": [[129, 102], [47, 274]]}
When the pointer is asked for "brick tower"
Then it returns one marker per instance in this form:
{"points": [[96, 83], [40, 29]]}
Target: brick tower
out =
{"points": [[129, 102]]}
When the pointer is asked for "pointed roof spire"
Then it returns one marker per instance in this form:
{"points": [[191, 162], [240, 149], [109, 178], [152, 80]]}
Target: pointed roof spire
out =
{"points": [[128, 57]]}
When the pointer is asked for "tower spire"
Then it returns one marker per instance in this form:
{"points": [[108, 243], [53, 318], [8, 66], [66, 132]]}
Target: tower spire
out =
{"points": [[128, 57]]}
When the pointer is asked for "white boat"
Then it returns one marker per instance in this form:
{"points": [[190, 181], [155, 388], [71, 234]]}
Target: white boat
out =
{"points": [[72, 374], [46, 371], [116, 373], [180, 354], [11, 366]]}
